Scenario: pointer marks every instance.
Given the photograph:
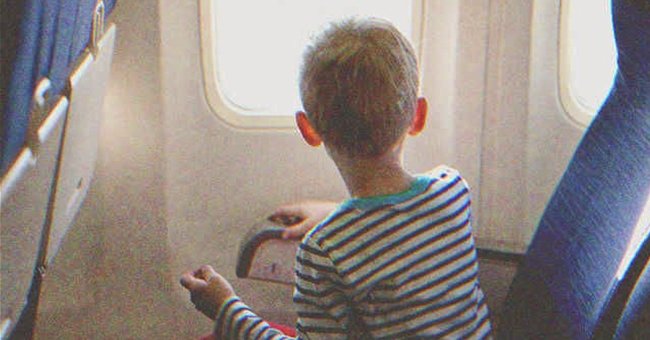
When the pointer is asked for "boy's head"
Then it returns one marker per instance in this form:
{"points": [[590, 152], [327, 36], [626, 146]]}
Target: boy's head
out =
{"points": [[359, 85]]}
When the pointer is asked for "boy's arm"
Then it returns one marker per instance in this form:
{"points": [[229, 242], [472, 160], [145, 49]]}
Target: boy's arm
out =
{"points": [[235, 320], [213, 296], [323, 310]]}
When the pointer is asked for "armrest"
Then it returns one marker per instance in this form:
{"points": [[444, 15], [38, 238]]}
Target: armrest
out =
{"points": [[265, 255]]}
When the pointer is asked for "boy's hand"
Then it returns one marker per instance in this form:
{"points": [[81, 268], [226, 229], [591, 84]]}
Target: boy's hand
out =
{"points": [[208, 290], [310, 212]]}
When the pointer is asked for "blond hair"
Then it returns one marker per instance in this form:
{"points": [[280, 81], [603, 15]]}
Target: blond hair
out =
{"points": [[358, 85]]}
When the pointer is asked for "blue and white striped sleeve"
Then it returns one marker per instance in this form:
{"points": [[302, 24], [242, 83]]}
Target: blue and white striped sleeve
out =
{"points": [[235, 320], [323, 310]]}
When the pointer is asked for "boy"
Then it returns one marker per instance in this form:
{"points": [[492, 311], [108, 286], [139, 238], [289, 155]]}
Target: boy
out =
{"points": [[397, 260]]}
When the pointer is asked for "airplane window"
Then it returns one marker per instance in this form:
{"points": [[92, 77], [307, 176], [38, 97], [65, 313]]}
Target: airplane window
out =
{"points": [[587, 56], [258, 44]]}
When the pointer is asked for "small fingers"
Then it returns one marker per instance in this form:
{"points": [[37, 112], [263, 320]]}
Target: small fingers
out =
{"points": [[189, 281], [295, 211], [285, 219], [297, 231], [207, 272], [198, 278]]}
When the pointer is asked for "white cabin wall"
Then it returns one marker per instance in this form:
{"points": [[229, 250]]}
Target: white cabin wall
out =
{"points": [[528, 137], [452, 65], [469, 90], [502, 202], [438, 61], [552, 135]]}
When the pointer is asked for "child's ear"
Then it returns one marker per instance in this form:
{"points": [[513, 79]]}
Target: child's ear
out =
{"points": [[308, 132], [420, 117]]}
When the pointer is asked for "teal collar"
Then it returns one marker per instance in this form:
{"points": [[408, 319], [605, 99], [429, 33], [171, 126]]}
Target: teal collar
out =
{"points": [[366, 203]]}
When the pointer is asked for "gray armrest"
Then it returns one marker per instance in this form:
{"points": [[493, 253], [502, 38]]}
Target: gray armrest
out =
{"points": [[264, 255]]}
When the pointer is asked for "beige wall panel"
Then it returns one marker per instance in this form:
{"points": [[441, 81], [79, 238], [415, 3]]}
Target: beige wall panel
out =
{"points": [[24, 212], [528, 138], [81, 138], [552, 135]]}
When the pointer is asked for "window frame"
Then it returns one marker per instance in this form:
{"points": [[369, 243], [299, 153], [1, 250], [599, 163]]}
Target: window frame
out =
{"points": [[575, 110], [231, 113]]}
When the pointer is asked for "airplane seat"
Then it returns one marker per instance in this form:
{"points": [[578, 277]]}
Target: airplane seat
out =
{"points": [[628, 316], [49, 45], [572, 272], [50, 40], [634, 310], [85, 85], [635, 315]]}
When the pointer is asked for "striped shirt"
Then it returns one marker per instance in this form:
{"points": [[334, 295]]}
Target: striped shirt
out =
{"points": [[386, 267]]}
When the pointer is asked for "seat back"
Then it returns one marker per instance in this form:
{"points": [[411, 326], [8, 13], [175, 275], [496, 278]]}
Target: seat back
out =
{"points": [[47, 39], [572, 267], [628, 313], [634, 320]]}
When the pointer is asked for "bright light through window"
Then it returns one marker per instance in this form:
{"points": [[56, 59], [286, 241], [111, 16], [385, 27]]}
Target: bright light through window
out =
{"points": [[259, 45], [589, 52]]}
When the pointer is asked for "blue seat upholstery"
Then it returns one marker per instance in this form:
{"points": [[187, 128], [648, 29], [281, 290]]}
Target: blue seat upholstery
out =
{"points": [[52, 35], [635, 319], [629, 314], [563, 287]]}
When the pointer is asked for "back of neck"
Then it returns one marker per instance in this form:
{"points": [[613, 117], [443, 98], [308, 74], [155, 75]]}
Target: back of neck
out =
{"points": [[374, 177]]}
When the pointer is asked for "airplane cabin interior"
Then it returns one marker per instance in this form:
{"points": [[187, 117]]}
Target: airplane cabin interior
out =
{"points": [[142, 139]]}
